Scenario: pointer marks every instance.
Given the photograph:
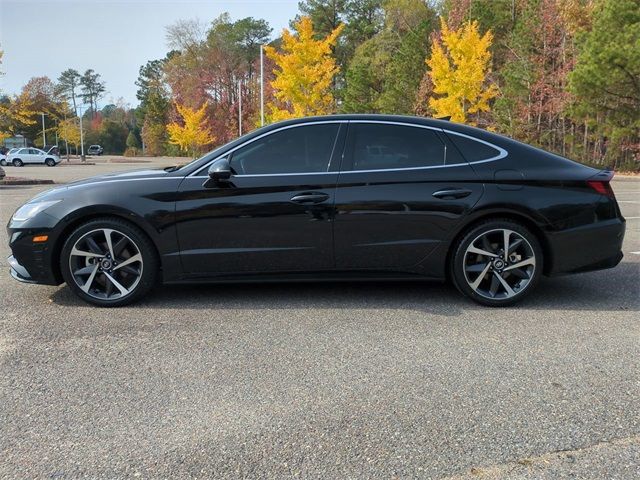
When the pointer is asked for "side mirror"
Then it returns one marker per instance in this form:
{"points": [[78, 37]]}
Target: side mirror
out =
{"points": [[219, 172]]}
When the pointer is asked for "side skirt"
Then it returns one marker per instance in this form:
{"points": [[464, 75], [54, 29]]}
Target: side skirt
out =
{"points": [[360, 276]]}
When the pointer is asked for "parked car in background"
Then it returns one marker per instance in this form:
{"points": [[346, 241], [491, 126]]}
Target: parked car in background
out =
{"points": [[52, 149], [95, 150], [3, 159], [23, 156]]}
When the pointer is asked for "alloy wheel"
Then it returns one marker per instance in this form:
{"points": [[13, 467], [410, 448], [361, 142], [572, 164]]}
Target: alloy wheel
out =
{"points": [[106, 264], [499, 264]]}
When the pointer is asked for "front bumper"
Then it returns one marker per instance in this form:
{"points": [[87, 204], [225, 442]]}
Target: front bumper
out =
{"points": [[33, 262], [18, 271]]}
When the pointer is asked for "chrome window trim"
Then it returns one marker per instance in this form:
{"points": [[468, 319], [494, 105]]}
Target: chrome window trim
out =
{"points": [[502, 153]]}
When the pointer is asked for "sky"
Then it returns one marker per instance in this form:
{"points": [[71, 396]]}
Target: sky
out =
{"points": [[114, 37]]}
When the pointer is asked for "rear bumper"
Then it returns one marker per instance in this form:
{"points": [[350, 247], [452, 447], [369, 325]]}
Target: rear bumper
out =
{"points": [[590, 247]]}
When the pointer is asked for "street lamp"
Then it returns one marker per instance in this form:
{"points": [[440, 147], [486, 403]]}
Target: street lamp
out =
{"points": [[81, 137], [261, 86], [262, 81], [44, 135], [240, 107]]}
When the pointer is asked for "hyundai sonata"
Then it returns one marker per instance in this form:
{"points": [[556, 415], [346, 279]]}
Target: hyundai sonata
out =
{"points": [[328, 198]]}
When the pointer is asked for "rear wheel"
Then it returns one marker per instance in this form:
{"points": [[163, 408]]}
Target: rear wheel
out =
{"points": [[17, 162], [109, 262], [3, 162], [497, 263], [50, 162]]}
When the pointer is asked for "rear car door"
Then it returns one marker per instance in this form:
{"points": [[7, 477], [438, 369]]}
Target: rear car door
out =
{"points": [[402, 190], [275, 213]]}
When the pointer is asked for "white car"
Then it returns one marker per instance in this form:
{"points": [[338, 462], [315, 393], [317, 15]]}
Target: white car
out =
{"points": [[26, 155]]}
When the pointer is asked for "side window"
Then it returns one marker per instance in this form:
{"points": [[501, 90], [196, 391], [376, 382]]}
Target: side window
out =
{"points": [[472, 150], [382, 146], [304, 149]]}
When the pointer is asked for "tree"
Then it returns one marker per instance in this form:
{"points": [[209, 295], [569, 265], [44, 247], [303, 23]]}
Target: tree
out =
{"points": [[69, 131], [304, 73], [68, 83], [385, 72], [193, 134], [133, 144], [606, 79], [92, 89], [458, 67]]}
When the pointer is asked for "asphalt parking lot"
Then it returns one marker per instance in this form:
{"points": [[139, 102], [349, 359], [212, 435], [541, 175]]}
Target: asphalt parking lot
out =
{"points": [[354, 380]]}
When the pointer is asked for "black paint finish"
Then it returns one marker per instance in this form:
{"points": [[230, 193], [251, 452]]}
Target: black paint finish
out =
{"points": [[338, 223]]}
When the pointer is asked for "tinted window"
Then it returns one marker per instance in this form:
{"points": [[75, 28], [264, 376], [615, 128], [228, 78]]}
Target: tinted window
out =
{"points": [[471, 150], [380, 146], [293, 150]]}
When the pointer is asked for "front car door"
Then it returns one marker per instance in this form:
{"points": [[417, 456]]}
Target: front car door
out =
{"points": [[35, 156], [274, 214], [402, 190]]}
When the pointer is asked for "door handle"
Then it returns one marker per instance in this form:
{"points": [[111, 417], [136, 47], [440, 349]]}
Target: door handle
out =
{"points": [[452, 193], [310, 197]]}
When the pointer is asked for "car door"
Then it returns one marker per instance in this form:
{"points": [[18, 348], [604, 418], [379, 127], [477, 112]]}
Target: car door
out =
{"points": [[402, 190], [274, 214], [35, 156]]}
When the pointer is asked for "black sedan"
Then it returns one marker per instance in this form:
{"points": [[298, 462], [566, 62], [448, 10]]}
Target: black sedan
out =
{"points": [[328, 198]]}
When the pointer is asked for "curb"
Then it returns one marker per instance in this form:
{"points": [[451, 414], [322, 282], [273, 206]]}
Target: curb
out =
{"points": [[26, 181]]}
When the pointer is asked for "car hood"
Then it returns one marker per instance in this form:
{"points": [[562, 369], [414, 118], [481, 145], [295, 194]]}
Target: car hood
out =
{"points": [[128, 175]]}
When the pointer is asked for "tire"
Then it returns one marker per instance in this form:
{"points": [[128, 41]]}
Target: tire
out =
{"points": [[496, 279], [50, 162], [133, 266], [17, 162], [3, 163]]}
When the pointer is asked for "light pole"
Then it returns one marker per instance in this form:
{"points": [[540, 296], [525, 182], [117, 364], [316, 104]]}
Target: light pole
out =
{"points": [[81, 138], [261, 85], [240, 107], [44, 135]]}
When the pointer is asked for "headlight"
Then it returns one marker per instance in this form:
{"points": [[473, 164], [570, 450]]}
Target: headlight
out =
{"points": [[30, 210]]}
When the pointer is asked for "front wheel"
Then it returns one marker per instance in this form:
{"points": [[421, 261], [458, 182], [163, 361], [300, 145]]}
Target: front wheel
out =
{"points": [[109, 262], [50, 162], [17, 162], [3, 163], [497, 263]]}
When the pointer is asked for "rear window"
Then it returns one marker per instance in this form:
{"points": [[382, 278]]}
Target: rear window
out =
{"points": [[473, 150]]}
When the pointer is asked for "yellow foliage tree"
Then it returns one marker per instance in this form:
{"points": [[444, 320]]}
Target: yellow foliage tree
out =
{"points": [[458, 68], [194, 133], [16, 114], [69, 131], [304, 73]]}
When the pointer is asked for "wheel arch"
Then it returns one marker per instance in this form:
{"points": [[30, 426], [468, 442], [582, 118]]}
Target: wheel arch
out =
{"points": [[89, 214], [536, 227]]}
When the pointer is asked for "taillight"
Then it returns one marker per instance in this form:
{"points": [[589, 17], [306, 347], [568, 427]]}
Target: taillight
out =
{"points": [[603, 188]]}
